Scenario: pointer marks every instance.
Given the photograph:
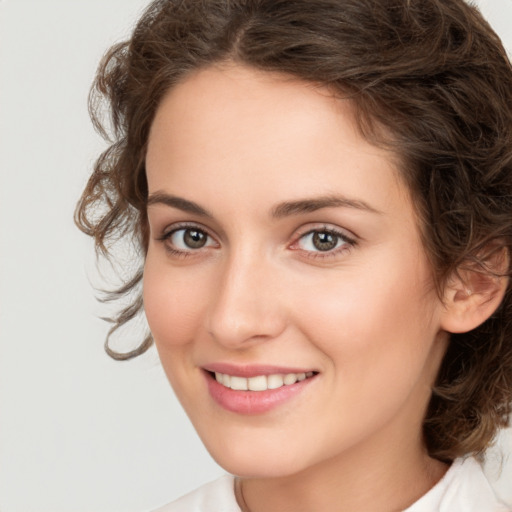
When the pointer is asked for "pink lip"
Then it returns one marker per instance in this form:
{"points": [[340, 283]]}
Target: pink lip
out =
{"points": [[252, 402]]}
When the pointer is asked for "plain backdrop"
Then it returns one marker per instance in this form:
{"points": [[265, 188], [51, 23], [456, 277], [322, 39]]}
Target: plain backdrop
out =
{"points": [[78, 431]]}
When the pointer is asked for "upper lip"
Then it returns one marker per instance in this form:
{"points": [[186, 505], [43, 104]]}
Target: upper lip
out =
{"points": [[252, 370]]}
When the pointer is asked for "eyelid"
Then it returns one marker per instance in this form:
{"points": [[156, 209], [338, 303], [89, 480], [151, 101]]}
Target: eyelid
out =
{"points": [[324, 226], [176, 226]]}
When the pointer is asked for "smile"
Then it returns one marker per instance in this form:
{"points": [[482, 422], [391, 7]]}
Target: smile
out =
{"points": [[256, 389], [260, 382]]}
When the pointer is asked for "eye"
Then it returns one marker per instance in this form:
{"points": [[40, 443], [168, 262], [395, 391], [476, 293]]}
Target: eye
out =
{"points": [[323, 241], [188, 239], [320, 241]]}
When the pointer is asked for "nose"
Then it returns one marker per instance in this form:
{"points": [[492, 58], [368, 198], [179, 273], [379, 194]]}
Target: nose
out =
{"points": [[248, 308]]}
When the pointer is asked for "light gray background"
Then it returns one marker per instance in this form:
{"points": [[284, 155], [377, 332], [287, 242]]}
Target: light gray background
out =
{"points": [[79, 432]]}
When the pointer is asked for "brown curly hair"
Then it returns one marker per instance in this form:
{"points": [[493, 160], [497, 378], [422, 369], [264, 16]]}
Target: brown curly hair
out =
{"points": [[432, 72]]}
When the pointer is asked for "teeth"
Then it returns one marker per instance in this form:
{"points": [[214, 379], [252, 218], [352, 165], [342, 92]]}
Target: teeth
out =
{"points": [[290, 378], [274, 381], [260, 382], [257, 383], [226, 380], [238, 383]]}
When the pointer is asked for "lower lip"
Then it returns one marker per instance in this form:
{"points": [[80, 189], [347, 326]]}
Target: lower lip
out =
{"points": [[253, 402]]}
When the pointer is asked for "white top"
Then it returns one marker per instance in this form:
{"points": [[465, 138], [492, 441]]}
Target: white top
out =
{"points": [[463, 488]]}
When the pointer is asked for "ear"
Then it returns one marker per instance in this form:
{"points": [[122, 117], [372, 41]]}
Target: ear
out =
{"points": [[474, 292]]}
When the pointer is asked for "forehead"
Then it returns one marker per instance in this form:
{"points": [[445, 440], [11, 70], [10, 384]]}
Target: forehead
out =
{"points": [[264, 131]]}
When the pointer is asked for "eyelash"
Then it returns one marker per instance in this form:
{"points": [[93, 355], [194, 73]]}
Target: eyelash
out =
{"points": [[346, 242], [179, 253]]}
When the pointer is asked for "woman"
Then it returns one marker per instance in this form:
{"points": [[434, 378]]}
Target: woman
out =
{"points": [[322, 194]]}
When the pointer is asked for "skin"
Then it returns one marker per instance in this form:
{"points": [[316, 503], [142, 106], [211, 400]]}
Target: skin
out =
{"points": [[238, 142]]}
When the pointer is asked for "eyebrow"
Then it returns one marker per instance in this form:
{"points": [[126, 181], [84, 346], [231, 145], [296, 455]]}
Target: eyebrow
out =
{"points": [[302, 206], [178, 202], [285, 209]]}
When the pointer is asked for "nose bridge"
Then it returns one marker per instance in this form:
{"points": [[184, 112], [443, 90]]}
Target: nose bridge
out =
{"points": [[246, 306]]}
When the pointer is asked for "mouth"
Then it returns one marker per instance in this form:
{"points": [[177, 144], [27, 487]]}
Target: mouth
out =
{"points": [[260, 382], [255, 390]]}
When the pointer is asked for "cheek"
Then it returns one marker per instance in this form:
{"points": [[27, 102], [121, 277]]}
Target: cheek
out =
{"points": [[377, 335], [376, 320], [172, 302]]}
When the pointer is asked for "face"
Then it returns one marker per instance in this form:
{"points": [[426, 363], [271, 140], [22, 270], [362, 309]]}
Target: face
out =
{"points": [[285, 262]]}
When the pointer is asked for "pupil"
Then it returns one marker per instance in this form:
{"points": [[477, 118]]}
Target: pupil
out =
{"points": [[324, 241], [194, 239]]}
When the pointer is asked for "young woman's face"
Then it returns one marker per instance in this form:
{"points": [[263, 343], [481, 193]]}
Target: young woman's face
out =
{"points": [[285, 248]]}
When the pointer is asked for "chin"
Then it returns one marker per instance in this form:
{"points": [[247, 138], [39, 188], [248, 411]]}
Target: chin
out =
{"points": [[257, 459], [261, 467]]}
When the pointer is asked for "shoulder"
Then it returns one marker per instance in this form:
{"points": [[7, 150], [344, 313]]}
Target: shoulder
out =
{"points": [[216, 496], [464, 488]]}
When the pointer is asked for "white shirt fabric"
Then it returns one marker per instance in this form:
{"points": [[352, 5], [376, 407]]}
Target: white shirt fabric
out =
{"points": [[464, 488]]}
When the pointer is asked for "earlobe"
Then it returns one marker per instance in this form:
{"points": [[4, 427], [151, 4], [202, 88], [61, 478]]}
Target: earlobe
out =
{"points": [[473, 295]]}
